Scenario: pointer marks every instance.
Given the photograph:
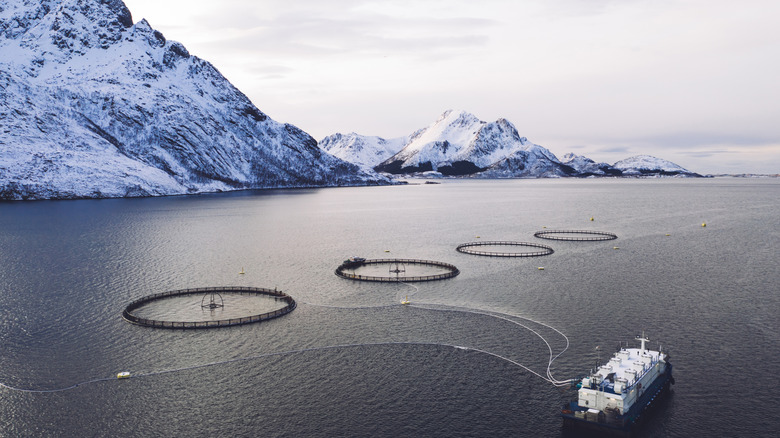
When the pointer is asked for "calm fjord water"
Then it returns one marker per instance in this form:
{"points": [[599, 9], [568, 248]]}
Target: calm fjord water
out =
{"points": [[709, 294]]}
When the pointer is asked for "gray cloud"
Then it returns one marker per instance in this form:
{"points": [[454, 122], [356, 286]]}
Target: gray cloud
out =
{"points": [[614, 78], [312, 34]]}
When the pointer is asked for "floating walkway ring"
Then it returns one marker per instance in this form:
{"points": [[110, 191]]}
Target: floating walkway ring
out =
{"points": [[452, 270], [575, 235], [128, 315], [468, 248]]}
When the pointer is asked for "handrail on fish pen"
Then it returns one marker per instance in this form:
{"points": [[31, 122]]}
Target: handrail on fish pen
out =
{"points": [[128, 315], [592, 236], [452, 270], [466, 248]]}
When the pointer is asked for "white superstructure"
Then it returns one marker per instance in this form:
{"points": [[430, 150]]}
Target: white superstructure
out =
{"points": [[618, 384]]}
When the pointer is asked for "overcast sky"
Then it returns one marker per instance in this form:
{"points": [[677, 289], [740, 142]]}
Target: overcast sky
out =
{"points": [[693, 82]]}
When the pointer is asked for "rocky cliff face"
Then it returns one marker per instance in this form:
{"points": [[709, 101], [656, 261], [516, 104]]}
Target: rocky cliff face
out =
{"points": [[92, 105]]}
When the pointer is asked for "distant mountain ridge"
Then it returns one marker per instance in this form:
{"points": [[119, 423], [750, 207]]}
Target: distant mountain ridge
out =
{"points": [[459, 144], [361, 150], [95, 106]]}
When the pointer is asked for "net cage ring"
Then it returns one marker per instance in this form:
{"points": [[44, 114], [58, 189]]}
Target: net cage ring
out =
{"points": [[212, 298], [469, 248], [576, 235], [397, 267]]}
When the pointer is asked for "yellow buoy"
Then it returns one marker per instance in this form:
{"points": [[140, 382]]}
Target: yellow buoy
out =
{"points": [[704, 224], [591, 218], [668, 234], [242, 271]]}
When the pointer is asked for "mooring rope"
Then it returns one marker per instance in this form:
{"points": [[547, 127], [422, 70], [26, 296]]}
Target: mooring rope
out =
{"points": [[505, 317], [499, 315], [265, 355], [75, 385]]}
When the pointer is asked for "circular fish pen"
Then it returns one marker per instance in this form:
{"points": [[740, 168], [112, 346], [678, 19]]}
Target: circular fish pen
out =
{"points": [[469, 248], [209, 307], [575, 235], [398, 270]]}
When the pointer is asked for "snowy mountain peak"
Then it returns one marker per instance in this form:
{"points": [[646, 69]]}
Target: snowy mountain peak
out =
{"points": [[587, 167], [95, 106], [460, 144], [57, 30], [572, 157], [648, 164], [364, 151]]}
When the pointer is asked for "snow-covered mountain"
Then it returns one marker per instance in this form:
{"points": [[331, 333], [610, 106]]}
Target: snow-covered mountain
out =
{"points": [[92, 105], [584, 166], [646, 164], [364, 151], [459, 144]]}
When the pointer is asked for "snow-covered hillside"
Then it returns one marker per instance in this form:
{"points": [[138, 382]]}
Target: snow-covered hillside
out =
{"points": [[646, 164], [459, 144], [92, 105], [364, 151], [584, 166]]}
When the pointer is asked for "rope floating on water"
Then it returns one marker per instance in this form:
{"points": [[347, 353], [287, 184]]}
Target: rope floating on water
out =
{"points": [[505, 317]]}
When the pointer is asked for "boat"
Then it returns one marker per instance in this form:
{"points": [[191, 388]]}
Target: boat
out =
{"points": [[123, 375], [353, 262], [614, 398]]}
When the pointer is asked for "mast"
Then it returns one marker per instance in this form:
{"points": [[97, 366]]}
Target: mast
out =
{"points": [[642, 339]]}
